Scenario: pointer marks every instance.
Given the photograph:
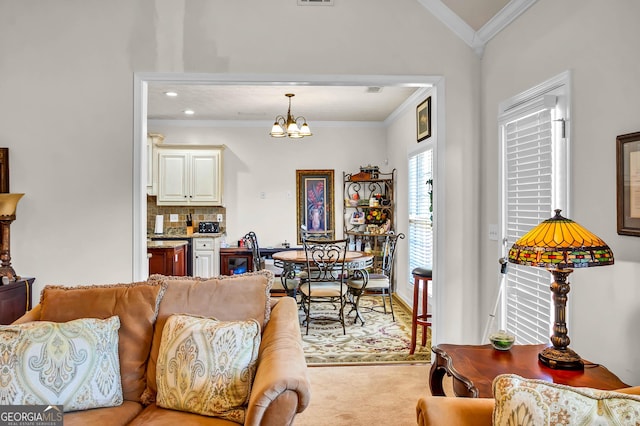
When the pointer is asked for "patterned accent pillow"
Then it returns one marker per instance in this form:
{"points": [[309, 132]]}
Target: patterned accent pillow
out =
{"points": [[206, 366], [74, 364], [530, 402]]}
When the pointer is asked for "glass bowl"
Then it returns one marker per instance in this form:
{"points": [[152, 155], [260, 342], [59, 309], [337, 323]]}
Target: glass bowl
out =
{"points": [[502, 340]]}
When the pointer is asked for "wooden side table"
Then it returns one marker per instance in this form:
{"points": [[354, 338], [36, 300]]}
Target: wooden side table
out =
{"points": [[473, 368], [15, 299]]}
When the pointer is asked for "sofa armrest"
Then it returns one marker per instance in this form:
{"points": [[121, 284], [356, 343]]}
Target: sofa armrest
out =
{"points": [[450, 411], [635, 390], [31, 315], [281, 386]]}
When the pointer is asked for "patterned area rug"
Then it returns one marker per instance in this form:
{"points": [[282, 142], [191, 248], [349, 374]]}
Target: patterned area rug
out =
{"points": [[380, 340]]}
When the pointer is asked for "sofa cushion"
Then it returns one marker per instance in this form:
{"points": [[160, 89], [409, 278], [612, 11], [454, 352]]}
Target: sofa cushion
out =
{"points": [[74, 364], [111, 416], [537, 402], [232, 298], [206, 366], [136, 305]]}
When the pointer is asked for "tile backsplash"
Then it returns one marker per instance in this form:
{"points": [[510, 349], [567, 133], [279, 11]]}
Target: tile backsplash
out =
{"points": [[198, 214]]}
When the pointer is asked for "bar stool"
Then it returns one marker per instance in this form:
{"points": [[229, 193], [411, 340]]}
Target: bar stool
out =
{"points": [[420, 275]]}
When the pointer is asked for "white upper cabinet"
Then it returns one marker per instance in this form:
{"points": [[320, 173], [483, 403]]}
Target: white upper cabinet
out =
{"points": [[189, 176], [153, 140]]}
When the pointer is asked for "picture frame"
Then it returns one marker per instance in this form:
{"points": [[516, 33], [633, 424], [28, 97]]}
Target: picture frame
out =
{"points": [[423, 119], [357, 218], [315, 203], [628, 184]]}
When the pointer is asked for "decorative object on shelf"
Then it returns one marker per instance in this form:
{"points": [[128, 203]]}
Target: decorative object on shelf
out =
{"points": [[376, 216], [289, 126], [502, 340], [628, 183], [357, 218], [381, 229], [373, 171], [8, 206], [560, 244], [423, 119], [314, 201]]}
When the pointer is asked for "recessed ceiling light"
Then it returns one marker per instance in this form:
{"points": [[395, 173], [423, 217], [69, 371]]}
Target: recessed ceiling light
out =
{"points": [[189, 112], [171, 94]]}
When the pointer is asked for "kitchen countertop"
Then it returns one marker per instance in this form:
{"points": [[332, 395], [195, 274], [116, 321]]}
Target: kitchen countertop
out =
{"points": [[166, 244], [194, 235]]}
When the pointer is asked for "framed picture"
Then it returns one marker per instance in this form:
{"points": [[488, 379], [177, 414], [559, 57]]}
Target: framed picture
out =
{"points": [[314, 196], [357, 218], [423, 119], [628, 183]]}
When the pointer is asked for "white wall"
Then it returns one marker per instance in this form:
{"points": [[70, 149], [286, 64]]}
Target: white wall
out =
{"points": [[598, 42], [67, 108]]}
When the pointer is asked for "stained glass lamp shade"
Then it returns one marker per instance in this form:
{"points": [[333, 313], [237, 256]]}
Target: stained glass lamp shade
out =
{"points": [[560, 244]]}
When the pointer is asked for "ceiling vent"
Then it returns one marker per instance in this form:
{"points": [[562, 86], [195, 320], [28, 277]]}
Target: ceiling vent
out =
{"points": [[374, 89], [315, 2]]}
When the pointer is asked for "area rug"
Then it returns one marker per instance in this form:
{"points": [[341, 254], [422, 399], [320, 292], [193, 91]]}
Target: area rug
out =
{"points": [[380, 340]]}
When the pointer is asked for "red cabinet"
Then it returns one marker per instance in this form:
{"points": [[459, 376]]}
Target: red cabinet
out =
{"points": [[15, 299], [167, 258], [235, 261]]}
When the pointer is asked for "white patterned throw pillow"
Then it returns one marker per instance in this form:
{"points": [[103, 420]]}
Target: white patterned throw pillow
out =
{"points": [[74, 364], [529, 402], [207, 366]]}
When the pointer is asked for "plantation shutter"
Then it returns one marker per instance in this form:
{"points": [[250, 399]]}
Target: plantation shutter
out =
{"points": [[420, 211], [528, 187]]}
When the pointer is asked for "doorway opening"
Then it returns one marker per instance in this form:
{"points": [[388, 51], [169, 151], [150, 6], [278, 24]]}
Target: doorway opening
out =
{"points": [[143, 82]]}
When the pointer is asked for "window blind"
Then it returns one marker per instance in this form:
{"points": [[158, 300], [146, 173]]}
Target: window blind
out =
{"points": [[420, 214], [528, 196]]}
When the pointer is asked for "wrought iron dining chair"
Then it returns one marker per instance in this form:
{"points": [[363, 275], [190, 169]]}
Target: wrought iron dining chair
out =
{"points": [[325, 278], [380, 283], [252, 240]]}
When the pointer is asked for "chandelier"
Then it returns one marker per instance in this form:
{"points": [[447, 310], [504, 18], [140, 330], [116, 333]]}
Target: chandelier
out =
{"points": [[289, 126]]}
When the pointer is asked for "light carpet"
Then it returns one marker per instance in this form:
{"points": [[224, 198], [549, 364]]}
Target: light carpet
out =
{"points": [[379, 340], [384, 395]]}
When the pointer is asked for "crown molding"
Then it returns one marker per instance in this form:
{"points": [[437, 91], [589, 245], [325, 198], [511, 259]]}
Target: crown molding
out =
{"points": [[477, 40]]}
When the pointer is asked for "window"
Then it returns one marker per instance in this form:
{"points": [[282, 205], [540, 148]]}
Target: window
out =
{"points": [[420, 210], [534, 177]]}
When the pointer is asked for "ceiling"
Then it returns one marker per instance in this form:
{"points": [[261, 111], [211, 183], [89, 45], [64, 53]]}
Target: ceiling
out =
{"points": [[349, 102], [264, 102]]}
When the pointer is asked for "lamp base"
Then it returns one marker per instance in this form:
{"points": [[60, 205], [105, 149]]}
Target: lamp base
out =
{"points": [[561, 359]]}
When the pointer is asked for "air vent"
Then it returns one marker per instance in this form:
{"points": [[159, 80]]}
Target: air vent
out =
{"points": [[374, 89], [315, 2]]}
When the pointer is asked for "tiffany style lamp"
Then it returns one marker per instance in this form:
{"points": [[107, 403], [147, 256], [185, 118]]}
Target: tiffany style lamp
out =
{"points": [[560, 244]]}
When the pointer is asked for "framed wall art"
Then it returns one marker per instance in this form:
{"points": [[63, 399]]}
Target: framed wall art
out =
{"points": [[628, 183], [314, 201], [423, 119]]}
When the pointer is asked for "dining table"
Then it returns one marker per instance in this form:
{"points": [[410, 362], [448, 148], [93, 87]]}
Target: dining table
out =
{"points": [[292, 262]]}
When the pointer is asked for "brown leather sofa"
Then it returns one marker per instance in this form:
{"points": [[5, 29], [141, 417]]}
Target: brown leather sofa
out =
{"points": [[450, 411], [280, 388]]}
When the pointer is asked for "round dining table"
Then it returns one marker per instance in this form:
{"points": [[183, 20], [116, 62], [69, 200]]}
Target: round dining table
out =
{"points": [[353, 259], [294, 261]]}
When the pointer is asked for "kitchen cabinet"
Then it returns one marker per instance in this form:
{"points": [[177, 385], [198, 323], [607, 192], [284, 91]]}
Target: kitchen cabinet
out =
{"points": [[189, 175], [167, 258], [15, 299], [153, 140], [205, 259]]}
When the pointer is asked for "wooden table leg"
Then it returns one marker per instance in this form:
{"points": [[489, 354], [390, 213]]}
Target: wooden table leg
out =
{"points": [[436, 374]]}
